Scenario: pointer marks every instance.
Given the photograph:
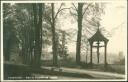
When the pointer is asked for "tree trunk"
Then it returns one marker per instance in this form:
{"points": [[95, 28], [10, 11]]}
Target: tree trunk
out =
{"points": [[37, 9], [35, 24], [40, 32], [7, 50], [54, 48], [78, 44]]}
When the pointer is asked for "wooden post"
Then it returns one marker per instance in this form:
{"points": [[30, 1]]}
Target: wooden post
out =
{"points": [[91, 53], [105, 55], [98, 52]]}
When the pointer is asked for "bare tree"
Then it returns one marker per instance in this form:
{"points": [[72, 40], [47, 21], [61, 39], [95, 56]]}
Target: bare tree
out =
{"points": [[80, 14], [52, 21]]}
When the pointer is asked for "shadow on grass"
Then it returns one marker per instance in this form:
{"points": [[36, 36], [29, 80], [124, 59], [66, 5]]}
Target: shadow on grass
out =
{"points": [[114, 68], [11, 70]]}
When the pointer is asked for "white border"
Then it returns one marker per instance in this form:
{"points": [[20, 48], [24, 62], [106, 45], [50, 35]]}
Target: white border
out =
{"points": [[1, 41], [60, 1], [57, 1]]}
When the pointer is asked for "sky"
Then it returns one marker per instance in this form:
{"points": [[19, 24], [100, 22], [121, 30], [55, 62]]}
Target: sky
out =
{"points": [[114, 21], [116, 17]]}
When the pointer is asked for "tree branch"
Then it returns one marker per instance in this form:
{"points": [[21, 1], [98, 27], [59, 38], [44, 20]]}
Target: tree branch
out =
{"points": [[59, 12], [74, 6], [86, 9], [48, 18]]}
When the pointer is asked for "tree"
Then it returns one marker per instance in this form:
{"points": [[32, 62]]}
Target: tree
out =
{"points": [[62, 49], [80, 14], [54, 47], [52, 19], [37, 10], [23, 32], [78, 44], [9, 37]]}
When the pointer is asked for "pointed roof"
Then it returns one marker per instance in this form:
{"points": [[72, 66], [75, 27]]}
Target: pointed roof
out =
{"points": [[98, 36]]}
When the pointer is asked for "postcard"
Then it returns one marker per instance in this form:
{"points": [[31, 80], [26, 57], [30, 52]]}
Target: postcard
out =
{"points": [[63, 40]]}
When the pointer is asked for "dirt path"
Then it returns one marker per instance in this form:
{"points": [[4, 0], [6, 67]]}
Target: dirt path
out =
{"points": [[95, 74]]}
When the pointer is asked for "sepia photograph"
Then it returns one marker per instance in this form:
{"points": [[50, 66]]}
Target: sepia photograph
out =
{"points": [[63, 40]]}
